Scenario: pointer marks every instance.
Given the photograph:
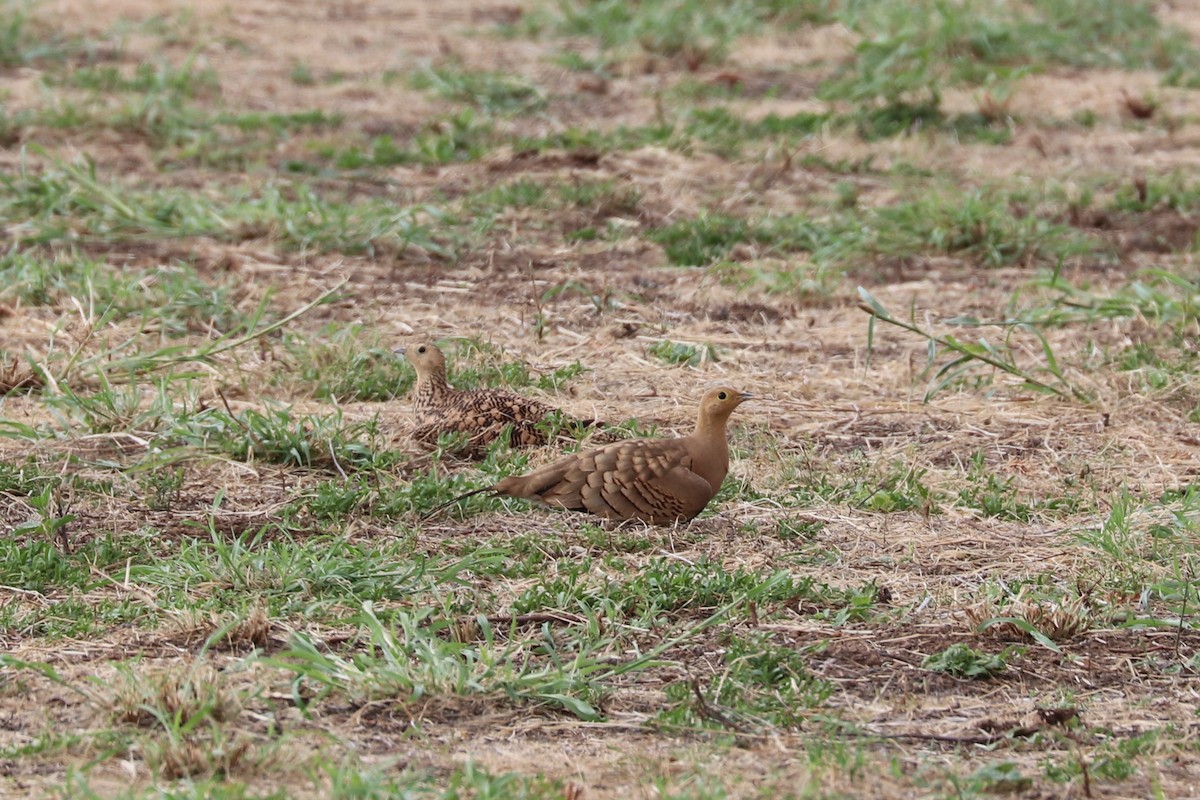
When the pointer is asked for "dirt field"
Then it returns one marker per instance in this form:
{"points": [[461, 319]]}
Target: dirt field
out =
{"points": [[218, 580]]}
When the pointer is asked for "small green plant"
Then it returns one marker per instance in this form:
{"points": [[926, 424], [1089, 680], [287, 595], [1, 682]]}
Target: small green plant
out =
{"points": [[302, 75], [52, 514], [1004, 777], [963, 661], [161, 487], [679, 353]]}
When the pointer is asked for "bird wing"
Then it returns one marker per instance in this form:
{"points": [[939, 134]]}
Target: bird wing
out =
{"points": [[646, 479]]}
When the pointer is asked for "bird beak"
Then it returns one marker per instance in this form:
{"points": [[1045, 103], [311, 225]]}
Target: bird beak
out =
{"points": [[399, 351], [744, 397]]}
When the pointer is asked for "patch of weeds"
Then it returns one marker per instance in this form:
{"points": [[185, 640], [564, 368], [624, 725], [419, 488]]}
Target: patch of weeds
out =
{"points": [[349, 364], [52, 513], [445, 141], [682, 354], [425, 490], [795, 529], [121, 407], [727, 134], [1149, 192], [603, 198], [968, 358], [1136, 530], [71, 201], [762, 684], [275, 435], [710, 238], [701, 240], [74, 618], [520, 193], [185, 81], [24, 479], [892, 488], [980, 224], [992, 495], [190, 716], [670, 587], [488, 92], [160, 488], [25, 41], [37, 564], [962, 661], [330, 503], [475, 364], [661, 590], [418, 659], [911, 51], [897, 119], [695, 32], [1037, 610], [313, 576]]}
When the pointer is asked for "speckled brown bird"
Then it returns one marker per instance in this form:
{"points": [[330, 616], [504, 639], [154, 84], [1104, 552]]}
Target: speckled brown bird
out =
{"points": [[660, 481], [481, 415]]}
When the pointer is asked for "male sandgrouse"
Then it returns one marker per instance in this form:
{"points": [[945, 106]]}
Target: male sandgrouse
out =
{"points": [[659, 481]]}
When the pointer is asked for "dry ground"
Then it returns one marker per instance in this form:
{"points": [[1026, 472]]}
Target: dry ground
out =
{"points": [[826, 406]]}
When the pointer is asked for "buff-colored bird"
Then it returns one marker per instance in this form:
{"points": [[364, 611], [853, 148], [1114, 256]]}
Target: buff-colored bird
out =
{"points": [[660, 481], [481, 415]]}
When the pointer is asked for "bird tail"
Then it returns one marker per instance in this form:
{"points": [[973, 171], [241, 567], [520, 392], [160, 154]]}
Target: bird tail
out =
{"points": [[433, 511]]}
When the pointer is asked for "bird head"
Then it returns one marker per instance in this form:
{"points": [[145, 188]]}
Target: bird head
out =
{"points": [[425, 357], [718, 403]]}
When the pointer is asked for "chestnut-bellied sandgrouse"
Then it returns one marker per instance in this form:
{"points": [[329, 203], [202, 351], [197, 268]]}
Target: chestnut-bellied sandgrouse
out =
{"points": [[479, 415], [659, 481]]}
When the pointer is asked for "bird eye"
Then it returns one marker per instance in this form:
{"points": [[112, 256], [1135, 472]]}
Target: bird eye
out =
{"points": [[421, 349], [722, 396]]}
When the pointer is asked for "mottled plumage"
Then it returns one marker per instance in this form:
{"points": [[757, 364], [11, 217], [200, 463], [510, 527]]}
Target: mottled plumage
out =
{"points": [[659, 481], [481, 415]]}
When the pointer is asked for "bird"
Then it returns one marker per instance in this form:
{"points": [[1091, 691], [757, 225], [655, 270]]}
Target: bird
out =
{"points": [[480, 415], [657, 481]]}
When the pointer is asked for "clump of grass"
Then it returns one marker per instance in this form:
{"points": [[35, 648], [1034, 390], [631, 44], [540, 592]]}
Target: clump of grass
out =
{"points": [[963, 661], [276, 435], [192, 720], [455, 139], [418, 659], [488, 92], [762, 685]]}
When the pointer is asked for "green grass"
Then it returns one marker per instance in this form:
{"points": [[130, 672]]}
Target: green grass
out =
{"points": [[25, 40], [911, 52], [695, 32], [488, 92], [74, 202]]}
